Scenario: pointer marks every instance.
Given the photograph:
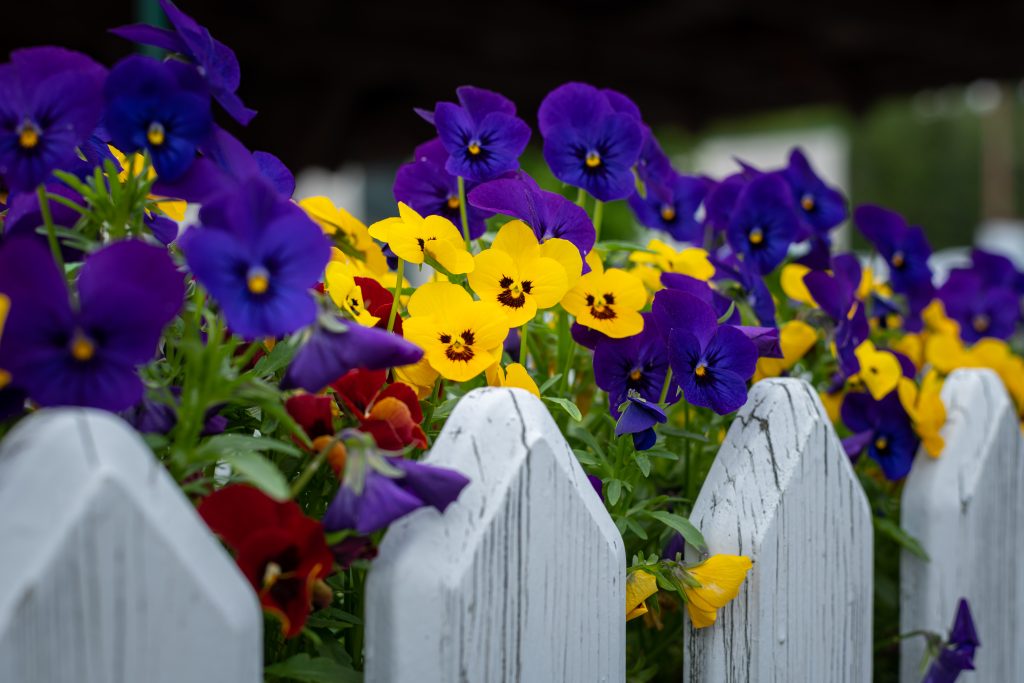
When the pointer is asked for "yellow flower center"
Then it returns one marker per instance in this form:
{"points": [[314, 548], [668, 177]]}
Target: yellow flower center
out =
{"points": [[701, 370], [271, 574], [668, 212], [898, 260], [513, 294], [28, 135], [807, 202], [453, 203], [257, 280], [980, 323], [636, 375], [459, 347], [156, 134], [82, 348], [881, 443], [756, 236], [473, 148], [593, 159]]}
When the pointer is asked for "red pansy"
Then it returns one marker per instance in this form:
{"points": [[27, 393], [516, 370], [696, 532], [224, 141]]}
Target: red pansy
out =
{"points": [[391, 413], [377, 302]]}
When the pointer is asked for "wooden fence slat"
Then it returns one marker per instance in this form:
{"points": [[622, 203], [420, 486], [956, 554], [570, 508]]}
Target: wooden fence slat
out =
{"points": [[521, 579], [967, 510], [783, 492], [109, 575]]}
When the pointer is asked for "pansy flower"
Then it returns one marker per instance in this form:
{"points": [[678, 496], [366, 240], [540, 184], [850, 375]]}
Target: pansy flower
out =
{"points": [[796, 339], [86, 354], [904, 248], [671, 206], [340, 284], [522, 275], [880, 369], [720, 200], [213, 59], [414, 238], [836, 294], [820, 207], [763, 223], [460, 337], [884, 428], [348, 231], [981, 309], [25, 217], [377, 489], [638, 418], [259, 257], [390, 413], [658, 259], [482, 134], [719, 579], [634, 364], [548, 213], [711, 363], [957, 653], [312, 412], [608, 301], [640, 585], [587, 143], [429, 189], [160, 107], [280, 551], [513, 375], [50, 103], [926, 410], [754, 290]]}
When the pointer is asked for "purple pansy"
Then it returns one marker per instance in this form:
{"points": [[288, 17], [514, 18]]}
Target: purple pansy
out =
{"points": [[429, 189], [24, 216], [86, 354], [903, 247], [755, 291], [634, 364], [702, 290], [763, 223], [587, 143], [671, 206], [884, 428], [482, 134], [638, 419], [547, 213], [957, 654], [981, 310], [711, 363], [335, 346], [161, 107], [720, 200], [819, 206], [259, 256], [50, 103], [836, 294], [377, 489], [214, 60]]}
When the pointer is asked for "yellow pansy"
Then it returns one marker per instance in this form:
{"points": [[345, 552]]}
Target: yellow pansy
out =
{"points": [[796, 338], [661, 258], [880, 369], [912, 346], [926, 410], [172, 208], [946, 353], [340, 283], [640, 585], [413, 238], [514, 375], [720, 578], [608, 301], [460, 337], [936, 321], [514, 274], [337, 221], [832, 403], [420, 376], [792, 280]]}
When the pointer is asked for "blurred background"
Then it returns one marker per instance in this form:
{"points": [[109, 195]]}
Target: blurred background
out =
{"points": [[918, 109]]}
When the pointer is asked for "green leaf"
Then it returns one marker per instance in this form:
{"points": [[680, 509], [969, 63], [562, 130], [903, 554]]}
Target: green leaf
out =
{"points": [[690, 533], [308, 669], [613, 491], [567, 405], [549, 381], [585, 457], [260, 472], [644, 463], [887, 527], [244, 442]]}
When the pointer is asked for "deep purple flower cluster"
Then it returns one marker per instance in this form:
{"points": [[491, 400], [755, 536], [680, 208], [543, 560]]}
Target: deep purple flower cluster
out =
{"points": [[985, 298]]}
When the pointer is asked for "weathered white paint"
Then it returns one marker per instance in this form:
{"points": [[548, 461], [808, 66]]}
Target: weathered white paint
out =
{"points": [[108, 574], [967, 509], [782, 492], [521, 579]]}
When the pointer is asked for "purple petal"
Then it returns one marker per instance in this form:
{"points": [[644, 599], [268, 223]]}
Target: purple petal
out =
{"points": [[274, 170], [731, 349], [674, 309], [766, 339], [151, 35], [436, 486], [479, 102], [573, 104], [381, 502]]}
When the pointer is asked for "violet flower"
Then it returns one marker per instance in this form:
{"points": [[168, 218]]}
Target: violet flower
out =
{"points": [[981, 310], [637, 364], [671, 206], [957, 654], [836, 295], [24, 216], [85, 355], [820, 207], [50, 103], [638, 418], [214, 60], [904, 248], [884, 428], [763, 223]]}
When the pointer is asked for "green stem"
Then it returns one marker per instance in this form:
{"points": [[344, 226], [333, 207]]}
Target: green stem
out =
{"points": [[462, 211], [598, 215], [399, 268], [581, 197], [665, 386], [686, 451], [522, 343], [51, 229], [313, 466]]}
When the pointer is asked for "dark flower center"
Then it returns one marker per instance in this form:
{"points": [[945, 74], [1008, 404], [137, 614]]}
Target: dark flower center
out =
{"points": [[453, 202], [592, 158], [807, 203], [701, 370], [981, 323], [636, 375], [460, 348], [156, 134], [29, 134], [898, 259], [756, 236], [668, 212], [882, 444], [257, 280], [423, 243], [82, 348], [601, 307], [473, 147], [513, 294]]}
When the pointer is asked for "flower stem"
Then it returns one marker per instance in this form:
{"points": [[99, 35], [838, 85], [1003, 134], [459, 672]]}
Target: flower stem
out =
{"points": [[522, 343], [598, 215], [463, 214], [313, 466], [665, 386], [51, 229], [581, 197], [399, 268]]}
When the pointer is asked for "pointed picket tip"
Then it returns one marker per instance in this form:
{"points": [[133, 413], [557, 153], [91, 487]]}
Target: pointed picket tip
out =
{"points": [[522, 578], [109, 573]]}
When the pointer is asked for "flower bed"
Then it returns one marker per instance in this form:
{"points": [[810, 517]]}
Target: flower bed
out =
{"points": [[289, 377]]}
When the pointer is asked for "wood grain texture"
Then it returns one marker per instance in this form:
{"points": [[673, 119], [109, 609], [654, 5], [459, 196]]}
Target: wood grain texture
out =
{"points": [[782, 492], [521, 579], [109, 575], [967, 509]]}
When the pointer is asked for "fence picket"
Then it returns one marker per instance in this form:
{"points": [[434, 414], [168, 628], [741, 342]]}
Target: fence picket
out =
{"points": [[522, 579], [782, 492], [967, 509], [108, 573]]}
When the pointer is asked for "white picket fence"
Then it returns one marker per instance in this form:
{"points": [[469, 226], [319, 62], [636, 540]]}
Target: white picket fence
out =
{"points": [[110, 576]]}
